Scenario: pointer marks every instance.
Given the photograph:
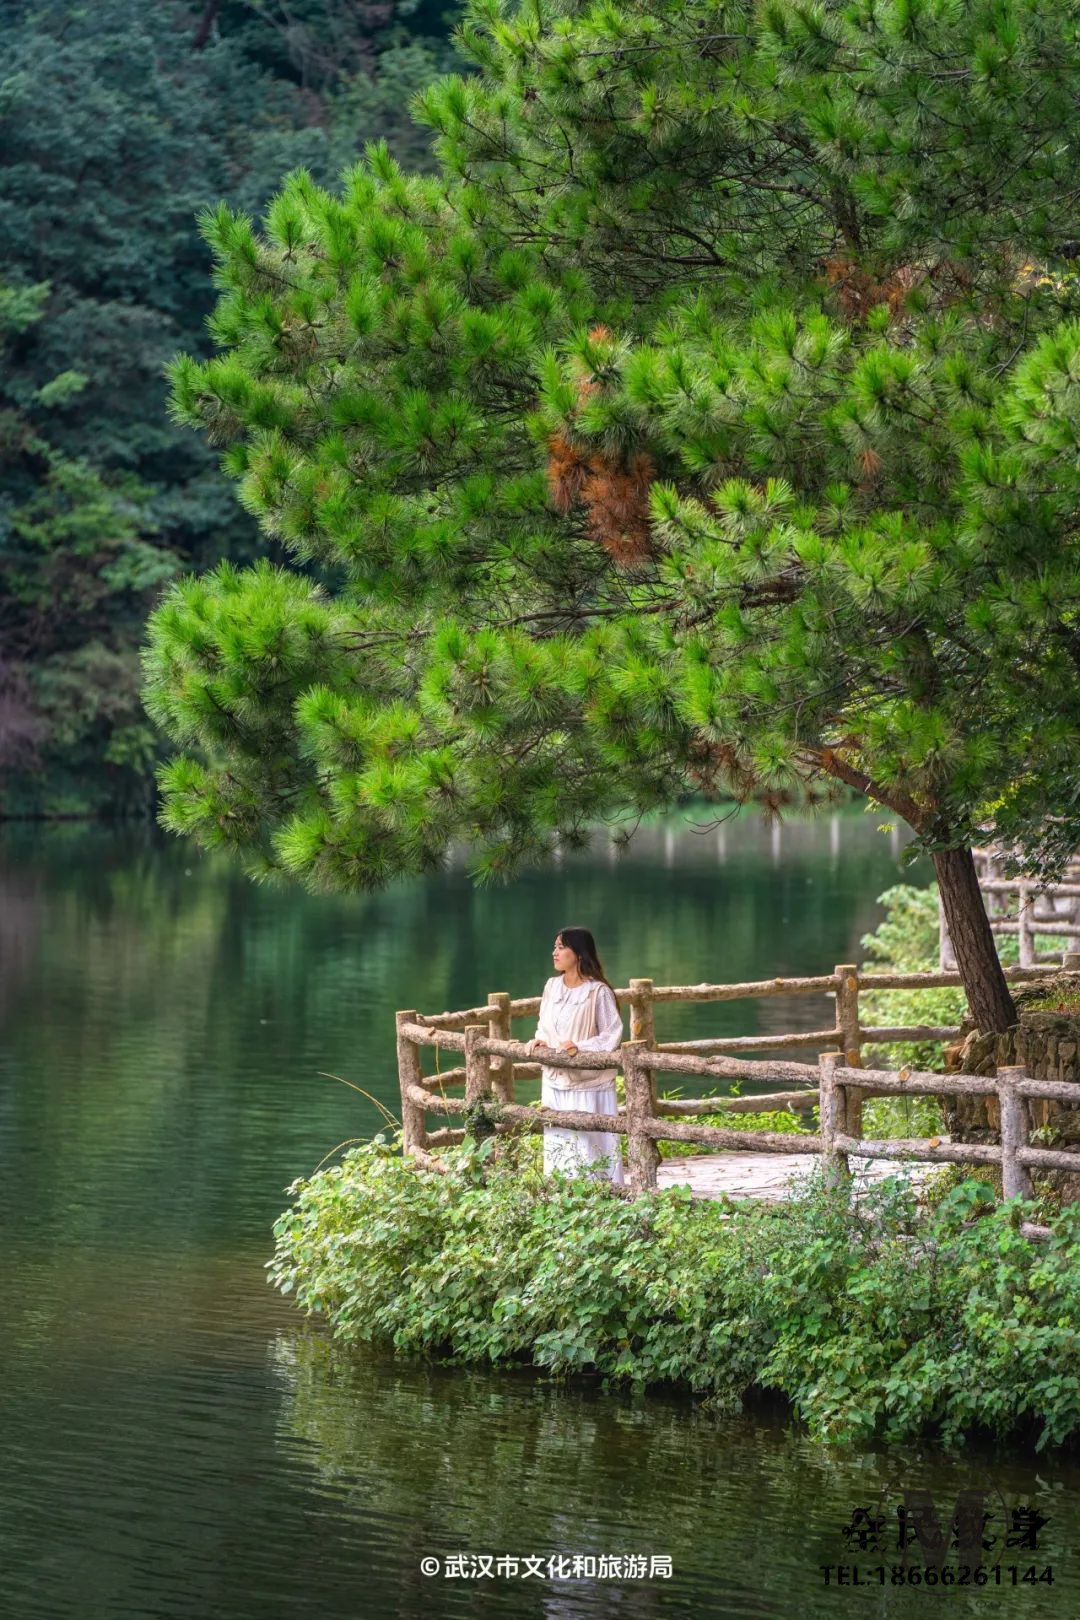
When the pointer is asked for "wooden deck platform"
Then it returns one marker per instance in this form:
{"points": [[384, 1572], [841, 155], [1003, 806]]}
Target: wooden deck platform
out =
{"points": [[769, 1176]]}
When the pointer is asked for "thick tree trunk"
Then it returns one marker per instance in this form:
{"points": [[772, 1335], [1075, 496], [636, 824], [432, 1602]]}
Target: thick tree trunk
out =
{"points": [[973, 942]]}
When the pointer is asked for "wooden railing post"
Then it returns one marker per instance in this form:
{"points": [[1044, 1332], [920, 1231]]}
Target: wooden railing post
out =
{"points": [[831, 1106], [643, 1154], [477, 1064], [847, 1022], [642, 1025], [502, 1068], [1027, 942], [1015, 1180], [413, 1119]]}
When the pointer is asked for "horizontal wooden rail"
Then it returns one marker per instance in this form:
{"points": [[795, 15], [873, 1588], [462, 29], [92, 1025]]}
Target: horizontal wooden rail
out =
{"points": [[434, 1104], [1056, 1090], [447, 1077], [909, 1032], [1014, 886], [456, 1020], [766, 1103], [919, 1148], [917, 1083], [447, 1040], [1033, 913], [752, 1043], [1029, 908], [1049, 1158], [457, 1076], [1009, 925], [570, 1119], [668, 1130], [489, 1047], [725, 1068], [533, 1119], [446, 1136], [576, 1119], [740, 992], [927, 1082], [936, 981]]}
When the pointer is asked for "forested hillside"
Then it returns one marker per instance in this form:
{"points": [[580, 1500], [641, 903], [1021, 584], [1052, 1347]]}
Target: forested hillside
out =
{"points": [[119, 122]]}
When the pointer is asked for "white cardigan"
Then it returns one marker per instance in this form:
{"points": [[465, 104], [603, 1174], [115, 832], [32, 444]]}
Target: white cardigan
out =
{"points": [[560, 1010]]}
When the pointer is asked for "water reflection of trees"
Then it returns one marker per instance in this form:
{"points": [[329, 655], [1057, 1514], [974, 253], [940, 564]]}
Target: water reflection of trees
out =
{"points": [[162, 935], [748, 1510], [20, 926]]}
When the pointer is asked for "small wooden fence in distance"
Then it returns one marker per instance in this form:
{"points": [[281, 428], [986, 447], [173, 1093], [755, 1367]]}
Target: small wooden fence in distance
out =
{"points": [[1022, 906], [837, 1083]]}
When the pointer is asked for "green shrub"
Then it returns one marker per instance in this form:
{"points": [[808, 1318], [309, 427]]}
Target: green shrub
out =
{"points": [[885, 1118], [786, 1121], [907, 942], [884, 1322]]}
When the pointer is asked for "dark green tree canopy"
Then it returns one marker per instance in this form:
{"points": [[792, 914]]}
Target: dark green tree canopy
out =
{"points": [[116, 126], [707, 423]]}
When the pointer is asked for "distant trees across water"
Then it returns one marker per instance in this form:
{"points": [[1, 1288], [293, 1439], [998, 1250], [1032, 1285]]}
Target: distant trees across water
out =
{"points": [[118, 123]]}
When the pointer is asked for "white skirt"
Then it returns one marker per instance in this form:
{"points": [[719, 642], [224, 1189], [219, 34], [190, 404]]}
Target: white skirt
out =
{"points": [[574, 1151]]}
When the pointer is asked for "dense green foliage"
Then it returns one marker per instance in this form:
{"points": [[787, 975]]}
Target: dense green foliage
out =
{"points": [[880, 1324], [702, 426], [116, 128], [907, 941]]}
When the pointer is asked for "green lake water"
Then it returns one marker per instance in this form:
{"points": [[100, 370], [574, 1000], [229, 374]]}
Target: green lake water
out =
{"points": [[178, 1441]]}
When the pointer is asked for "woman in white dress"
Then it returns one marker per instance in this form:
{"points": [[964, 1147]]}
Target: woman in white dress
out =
{"points": [[579, 1013]]}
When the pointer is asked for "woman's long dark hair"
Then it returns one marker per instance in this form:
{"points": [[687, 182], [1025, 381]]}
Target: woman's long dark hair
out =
{"points": [[581, 942]]}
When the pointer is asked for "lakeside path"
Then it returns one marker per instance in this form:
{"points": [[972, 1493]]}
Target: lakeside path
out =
{"points": [[770, 1176]]}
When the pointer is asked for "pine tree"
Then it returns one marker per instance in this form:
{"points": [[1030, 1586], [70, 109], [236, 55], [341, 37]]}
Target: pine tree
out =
{"points": [[707, 423]]}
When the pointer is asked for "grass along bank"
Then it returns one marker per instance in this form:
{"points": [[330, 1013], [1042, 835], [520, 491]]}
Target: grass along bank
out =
{"points": [[892, 1323]]}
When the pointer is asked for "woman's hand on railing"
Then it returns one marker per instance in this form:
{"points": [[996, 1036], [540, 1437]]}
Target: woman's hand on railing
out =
{"points": [[536, 1044]]}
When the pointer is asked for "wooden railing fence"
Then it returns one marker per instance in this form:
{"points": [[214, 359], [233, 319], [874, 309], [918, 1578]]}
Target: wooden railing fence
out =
{"points": [[1022, 906], [493, 1062]]}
